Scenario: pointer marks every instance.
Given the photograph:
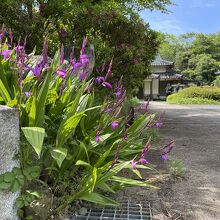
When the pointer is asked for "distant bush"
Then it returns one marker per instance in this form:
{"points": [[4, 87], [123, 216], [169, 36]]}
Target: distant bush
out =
{"points": [[216, 82], [196, 95]]}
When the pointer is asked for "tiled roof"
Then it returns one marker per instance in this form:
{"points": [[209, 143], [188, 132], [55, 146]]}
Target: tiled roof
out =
{"points": [[158, 61]]}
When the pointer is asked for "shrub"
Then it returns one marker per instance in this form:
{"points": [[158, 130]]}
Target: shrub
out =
{"points": [[216, 82], [67, 142], [196, 95]]}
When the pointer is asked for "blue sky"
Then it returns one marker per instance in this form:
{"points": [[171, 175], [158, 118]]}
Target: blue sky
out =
{"points": [[187, 16]]}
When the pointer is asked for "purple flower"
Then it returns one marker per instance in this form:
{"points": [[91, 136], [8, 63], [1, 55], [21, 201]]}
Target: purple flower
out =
{"points": [[99, 79], [10, 35], [6, 54], [2, 34], [37, 70], [116, 155], [158, 124], [164, 157], [166, 150], [77, 66], [82, 75], [107, 85], [61, 73], [84, 59], [145, 151], [27, 94], [72, 59], [97, 136], [45, 51], [114, 125], [62, 54], [134, 164], [82, 51], [63, 33], [109, 72], [143, 161]]}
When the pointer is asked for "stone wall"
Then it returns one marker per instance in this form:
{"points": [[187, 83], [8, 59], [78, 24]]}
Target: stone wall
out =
{"points": [[9, 146]]}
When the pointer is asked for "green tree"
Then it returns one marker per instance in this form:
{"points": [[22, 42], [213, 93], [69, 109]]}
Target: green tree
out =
{"points": [[114, 27]]}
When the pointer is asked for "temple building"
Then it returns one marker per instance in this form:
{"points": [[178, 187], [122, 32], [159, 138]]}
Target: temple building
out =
{"points": [[162, 74]]}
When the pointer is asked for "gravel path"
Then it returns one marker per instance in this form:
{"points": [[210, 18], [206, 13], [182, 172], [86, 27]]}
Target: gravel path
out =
{"points": [[196, 131]]}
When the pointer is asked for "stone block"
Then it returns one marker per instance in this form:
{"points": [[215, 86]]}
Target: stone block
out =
{"points": [[9, 147]]}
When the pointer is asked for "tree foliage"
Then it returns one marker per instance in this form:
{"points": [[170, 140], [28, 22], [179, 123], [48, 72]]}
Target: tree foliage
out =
{"points": [[196, 55], [114, 27]]}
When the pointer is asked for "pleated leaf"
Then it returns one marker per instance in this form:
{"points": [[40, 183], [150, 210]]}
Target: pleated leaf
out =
{"points": [[35, 137], [59, 154], [97, 198]]}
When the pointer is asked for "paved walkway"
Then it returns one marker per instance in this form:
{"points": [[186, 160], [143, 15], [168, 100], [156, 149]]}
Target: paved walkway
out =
{"points": [[196, 131]]}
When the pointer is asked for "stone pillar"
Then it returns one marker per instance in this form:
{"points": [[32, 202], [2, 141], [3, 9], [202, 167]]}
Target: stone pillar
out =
{"points": [[9, 147]]}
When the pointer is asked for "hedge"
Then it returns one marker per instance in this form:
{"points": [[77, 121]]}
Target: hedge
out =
{"points": [[196, 95]]}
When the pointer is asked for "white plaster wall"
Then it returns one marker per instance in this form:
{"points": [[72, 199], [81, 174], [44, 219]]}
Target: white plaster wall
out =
{"points": [[155, 85], [147, 84]]}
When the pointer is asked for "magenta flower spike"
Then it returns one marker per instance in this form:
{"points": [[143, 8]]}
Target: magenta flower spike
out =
{"points": [[45, 51], [62, 54], [109, 72], [61, 73], [27, 94], [2, 34], [37, 70], [107, 85], [82, 75], [99, 79], [166, 150], [114, 125], [143, 161], [134, 164], [6, 54], [72, 58], [97, 136], [164, 157], [77, 66], [84, 59], [158, 124], [82, 51], [10, 35]]}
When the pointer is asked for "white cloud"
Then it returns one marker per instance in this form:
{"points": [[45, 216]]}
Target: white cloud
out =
{"points": [[168, 26]]}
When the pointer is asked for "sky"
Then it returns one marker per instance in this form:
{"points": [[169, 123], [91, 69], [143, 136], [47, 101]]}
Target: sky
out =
{"points": [[201, 16]]}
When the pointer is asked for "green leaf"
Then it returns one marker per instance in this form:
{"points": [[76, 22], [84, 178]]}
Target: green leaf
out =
{"points": [[32, 113], [20, 203], [15, 186], [66, 128], [94, 178], [112, 172], [35, 137], [59, 154], [8, 177], [83, 163], [4, 93], [4, 185], [105, 155], [42, 96], [132, 182], [97, 198], [105, 187]]}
